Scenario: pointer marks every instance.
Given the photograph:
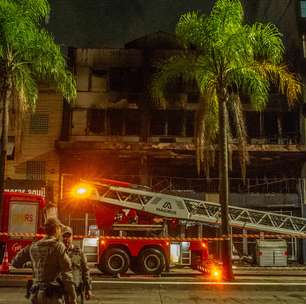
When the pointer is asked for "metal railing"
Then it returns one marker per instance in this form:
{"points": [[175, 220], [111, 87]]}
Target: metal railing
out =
{"points": [[211, 185]]}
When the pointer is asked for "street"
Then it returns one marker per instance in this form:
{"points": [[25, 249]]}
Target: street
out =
{"points": [[266, 290]]}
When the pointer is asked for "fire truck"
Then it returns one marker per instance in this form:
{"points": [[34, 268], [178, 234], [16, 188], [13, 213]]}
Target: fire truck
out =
{"points": [[130, 209], [21, 222]]}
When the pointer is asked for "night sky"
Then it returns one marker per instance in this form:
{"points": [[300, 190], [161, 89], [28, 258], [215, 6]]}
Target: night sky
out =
{"points": [[112, 23]]}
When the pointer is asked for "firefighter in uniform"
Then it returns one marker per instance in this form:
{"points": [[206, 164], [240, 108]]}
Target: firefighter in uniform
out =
{"points": [[52, 270], [80, 269]]}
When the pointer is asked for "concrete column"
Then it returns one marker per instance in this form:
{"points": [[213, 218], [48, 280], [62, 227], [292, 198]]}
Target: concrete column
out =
{"points": [[279, 128], [144, 171], [200, 230], [245, 243]]}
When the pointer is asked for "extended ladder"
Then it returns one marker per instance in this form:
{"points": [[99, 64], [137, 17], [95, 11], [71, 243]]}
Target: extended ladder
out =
{"points": [[170, 206]]}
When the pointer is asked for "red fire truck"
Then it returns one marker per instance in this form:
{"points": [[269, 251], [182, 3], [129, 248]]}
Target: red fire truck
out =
{"points": [[126, 207], [137, 239], [21, 221]]}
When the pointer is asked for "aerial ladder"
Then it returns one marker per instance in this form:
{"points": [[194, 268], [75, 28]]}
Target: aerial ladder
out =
{"points": [[136, 251], [140, 198]]}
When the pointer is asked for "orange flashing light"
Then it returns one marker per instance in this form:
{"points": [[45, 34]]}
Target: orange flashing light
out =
{"points": [[216, 274], [81, 191]]}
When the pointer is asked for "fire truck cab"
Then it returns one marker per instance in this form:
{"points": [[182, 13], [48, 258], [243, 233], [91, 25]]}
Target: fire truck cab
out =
{"points": [[21, 221]]}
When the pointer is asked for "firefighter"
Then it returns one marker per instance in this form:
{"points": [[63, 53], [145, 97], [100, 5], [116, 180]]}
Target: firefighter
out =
{"points": [[80, 269], [52, 270]]}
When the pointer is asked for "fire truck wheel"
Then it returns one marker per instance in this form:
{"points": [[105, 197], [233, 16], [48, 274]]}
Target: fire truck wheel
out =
{"points": [[151, 261], [115, 261]]}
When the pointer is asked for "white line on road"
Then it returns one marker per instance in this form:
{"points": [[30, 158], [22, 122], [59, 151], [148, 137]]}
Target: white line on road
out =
{"points": [[203, 283]]}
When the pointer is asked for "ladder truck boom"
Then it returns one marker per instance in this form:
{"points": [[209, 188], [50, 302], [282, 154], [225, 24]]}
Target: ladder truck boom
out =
{"points": [[140, 198]]}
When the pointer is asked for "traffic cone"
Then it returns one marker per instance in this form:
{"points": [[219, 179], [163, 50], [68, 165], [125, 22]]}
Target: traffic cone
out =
{"points": [[4, 267]]}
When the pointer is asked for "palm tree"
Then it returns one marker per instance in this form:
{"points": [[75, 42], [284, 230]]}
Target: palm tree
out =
{"points": [[28, 54], [226, 58]]}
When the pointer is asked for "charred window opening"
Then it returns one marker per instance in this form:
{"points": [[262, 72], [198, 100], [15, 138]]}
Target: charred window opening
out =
{"points": [[290, 122], [134, 81], [290, 127], [96, 121], [176, 122], [270, 124], [117, 78], [172, 123], [190, 122], [158, 123], [116, 122], [193, 92], [132, 122], [193, 97], [127, 80], [252, 120]]}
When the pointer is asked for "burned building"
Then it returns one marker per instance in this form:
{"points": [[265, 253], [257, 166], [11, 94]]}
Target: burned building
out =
{"points": [[113, 130]]}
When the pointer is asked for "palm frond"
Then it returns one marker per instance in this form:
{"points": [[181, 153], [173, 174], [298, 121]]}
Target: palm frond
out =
{"points": [[225, 18], [266, 42], [35, 10], [287, 82], [191, 29], [177, 67], [251, 82], [25, 85]]}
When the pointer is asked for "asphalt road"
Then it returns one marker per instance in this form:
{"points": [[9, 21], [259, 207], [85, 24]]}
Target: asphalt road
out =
{"points": [[179, 291]]}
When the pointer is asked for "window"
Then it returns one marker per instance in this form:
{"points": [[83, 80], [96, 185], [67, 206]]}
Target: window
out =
{"points": [[190, 121], [175, 122], [96, 121], [252, 120], [134, 81], [158, 122], [270, 124], [10, 148], [39, 124], [36, 170], [117, 79], [132, 122], [116, 121], [98, 81], [303, 9]]}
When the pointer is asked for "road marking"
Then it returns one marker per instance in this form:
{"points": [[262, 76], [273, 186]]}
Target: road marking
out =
{"points": [[203, 283]]}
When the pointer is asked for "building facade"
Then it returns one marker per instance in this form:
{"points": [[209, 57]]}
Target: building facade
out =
{"points": [[112, 130], [32, 162]]}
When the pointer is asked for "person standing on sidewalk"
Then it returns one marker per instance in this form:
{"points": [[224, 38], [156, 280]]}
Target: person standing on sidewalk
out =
{"points": [[52, 269], [80, 269]]}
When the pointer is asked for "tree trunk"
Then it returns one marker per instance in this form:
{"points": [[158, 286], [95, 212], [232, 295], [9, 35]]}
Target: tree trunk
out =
{"points": [[3, 144], [226, 251]]}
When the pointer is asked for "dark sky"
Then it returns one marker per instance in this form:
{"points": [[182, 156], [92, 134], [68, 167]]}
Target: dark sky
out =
{"points": [[111, 23]]}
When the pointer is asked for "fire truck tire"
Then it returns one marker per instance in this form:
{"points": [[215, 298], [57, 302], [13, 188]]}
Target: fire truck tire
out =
{"points": [[115, 260], [151, 261]]}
